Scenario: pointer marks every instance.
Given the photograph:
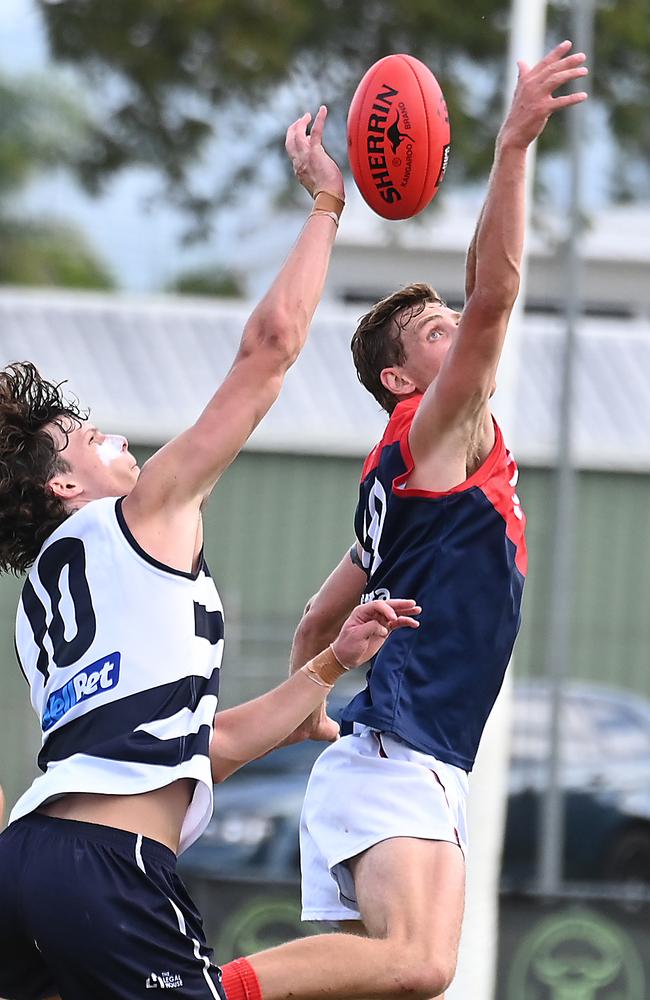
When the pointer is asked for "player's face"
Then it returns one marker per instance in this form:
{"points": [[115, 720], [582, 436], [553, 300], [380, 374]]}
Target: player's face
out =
{"points": [[101, 465], [426, 339]]}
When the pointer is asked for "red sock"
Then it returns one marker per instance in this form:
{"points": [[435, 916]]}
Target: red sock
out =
{"points": [[239, 981]]}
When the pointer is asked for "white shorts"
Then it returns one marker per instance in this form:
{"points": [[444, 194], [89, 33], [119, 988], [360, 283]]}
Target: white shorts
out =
{"points": [[364, 789]]}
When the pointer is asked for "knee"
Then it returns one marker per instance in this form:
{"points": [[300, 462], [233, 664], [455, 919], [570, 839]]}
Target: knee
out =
{"points": [[424, 977]]}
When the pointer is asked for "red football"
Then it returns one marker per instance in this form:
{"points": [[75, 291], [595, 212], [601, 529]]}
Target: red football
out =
{"points": [[398, 136]]}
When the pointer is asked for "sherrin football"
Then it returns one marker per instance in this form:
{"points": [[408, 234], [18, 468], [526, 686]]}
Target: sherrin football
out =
{"points": [[398, 136]]}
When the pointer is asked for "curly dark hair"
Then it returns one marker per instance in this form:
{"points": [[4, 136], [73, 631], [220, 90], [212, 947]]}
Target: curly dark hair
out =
{"points": [[377, 341], [29, 457]]}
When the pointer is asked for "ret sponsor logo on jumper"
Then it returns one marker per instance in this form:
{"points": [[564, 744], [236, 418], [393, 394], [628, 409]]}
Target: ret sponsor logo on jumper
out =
{"points": [[102, 675]]}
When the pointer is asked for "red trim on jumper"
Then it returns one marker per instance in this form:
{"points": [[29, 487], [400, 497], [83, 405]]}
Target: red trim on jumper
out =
{"points": [[239, 980], [477, 478], [398, 429], [501, 492], [400, 421]]}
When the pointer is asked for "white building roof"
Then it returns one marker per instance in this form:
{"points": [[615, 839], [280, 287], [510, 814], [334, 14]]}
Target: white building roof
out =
{"points": [[373, 256], [616, 232], [147, 366]]}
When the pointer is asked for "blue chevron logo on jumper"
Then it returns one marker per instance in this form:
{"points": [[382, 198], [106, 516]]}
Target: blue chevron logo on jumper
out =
{"points": [[102, 675]]}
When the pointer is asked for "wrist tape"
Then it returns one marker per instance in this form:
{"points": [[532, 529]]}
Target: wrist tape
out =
{"points": [[324, 669]]}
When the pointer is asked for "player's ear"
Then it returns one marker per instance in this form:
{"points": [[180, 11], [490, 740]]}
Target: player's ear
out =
{"points": [[397, 382], [64, 486]]}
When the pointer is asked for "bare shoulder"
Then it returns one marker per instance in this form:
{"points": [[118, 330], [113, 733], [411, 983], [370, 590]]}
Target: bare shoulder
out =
{"points": [[169, 534]]}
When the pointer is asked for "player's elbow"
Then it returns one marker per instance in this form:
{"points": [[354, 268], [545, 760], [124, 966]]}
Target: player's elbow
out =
{"points": [[316, 628], [223, 758], [497, 283], [306, 628], [493, 302], [425, 977], [309, 605], [273, 338], [506, 287], [221, 769]]}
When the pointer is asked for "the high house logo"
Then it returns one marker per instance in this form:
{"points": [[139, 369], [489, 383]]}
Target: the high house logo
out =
{"points": [[94, 679]]}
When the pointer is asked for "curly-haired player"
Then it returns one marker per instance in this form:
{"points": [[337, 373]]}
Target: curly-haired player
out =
{"points": [[119, 633], [30, 456]]}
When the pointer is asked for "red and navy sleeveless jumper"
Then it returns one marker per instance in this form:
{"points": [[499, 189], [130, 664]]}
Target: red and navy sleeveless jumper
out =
{"points": [[462, 555]]}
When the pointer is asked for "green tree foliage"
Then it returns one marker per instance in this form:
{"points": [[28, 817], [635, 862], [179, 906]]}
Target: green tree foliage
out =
{"points": [[622, 81], [175, 73], [215, 281], [42, 129], [48, 254]]}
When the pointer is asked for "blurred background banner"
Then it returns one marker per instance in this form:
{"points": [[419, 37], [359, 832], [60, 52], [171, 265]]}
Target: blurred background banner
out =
{"points": [[144, 203]]}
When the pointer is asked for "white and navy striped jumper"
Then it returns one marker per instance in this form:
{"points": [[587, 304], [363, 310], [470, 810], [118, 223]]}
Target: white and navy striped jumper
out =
{"points": [[122, 656]]}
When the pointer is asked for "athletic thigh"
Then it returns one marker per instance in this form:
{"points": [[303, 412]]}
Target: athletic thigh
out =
{"points": [[413, 891]]}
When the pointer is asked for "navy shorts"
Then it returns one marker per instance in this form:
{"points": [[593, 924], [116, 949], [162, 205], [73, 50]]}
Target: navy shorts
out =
{"points": [[88, 911]]}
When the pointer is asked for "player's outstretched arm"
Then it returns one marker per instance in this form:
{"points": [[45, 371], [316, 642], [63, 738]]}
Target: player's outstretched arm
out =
{"points": [[250, 730], [456, 401], [470, 262], [184, 471]]}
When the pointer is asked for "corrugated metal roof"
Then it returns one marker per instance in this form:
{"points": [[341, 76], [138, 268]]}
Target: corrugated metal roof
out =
{"points": [[147, 366]]}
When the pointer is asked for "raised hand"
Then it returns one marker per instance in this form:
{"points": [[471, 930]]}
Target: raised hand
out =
{"points": [[533, 102], [367, 628], [362, 635], [314, 168]]}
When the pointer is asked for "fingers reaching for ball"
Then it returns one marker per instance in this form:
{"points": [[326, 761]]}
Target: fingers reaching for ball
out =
{"points": [[534, 101], [316, 131], [312, 165]]}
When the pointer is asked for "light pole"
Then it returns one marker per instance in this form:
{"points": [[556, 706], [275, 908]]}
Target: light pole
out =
{"points": [[476, 975], [558, 644]]}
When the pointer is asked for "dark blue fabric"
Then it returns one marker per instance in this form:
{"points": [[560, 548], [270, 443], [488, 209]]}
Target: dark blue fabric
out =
{"points": [[78, 917], [435, 687], [208, 624], [107, 731]]}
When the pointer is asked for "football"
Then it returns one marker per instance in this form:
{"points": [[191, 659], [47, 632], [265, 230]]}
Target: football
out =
{"points": [[398, 136]]}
